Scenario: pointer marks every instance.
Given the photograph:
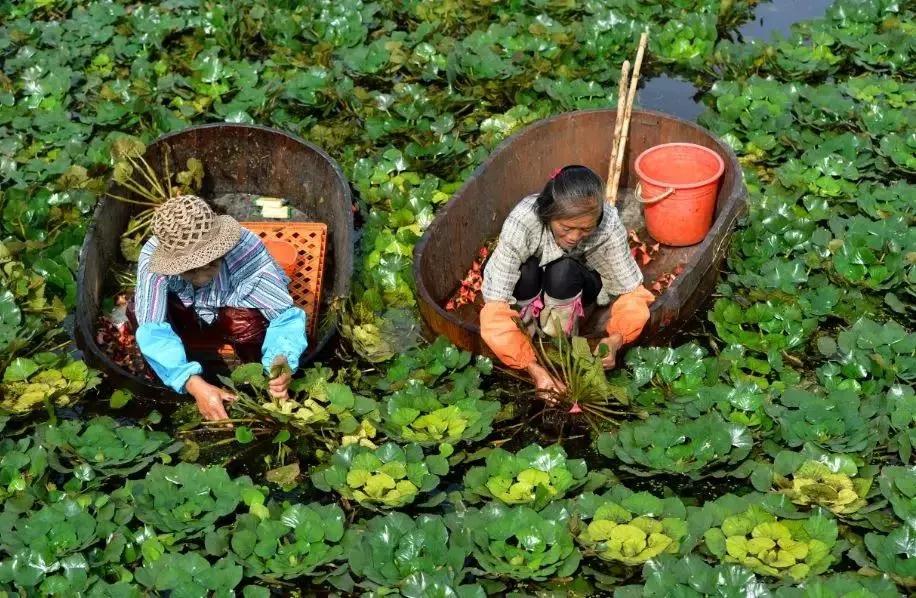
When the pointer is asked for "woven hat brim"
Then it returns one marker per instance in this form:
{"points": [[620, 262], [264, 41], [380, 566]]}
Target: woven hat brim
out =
{"points": [[227, 232]]}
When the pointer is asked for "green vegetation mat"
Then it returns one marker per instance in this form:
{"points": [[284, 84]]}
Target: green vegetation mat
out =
{"points": [[770, 456]]}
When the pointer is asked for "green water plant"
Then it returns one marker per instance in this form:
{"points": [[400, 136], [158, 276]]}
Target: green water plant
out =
{"points": [[389, 549], [840, 422], [763, 326], [841, 585], [588, 390], [669, 575], [837, 489], [190, 574], [769, 545], [390, 476], [901, 404], [630, 527], [671, 371], [417, 413], [188, 500], [894, 554], [27, 386], [51, 549], [518, 542], [898, 485], [670, 444], [23, 462], [293, 540], [740, 403], [533, 476], [100, 448], [869, 356]]}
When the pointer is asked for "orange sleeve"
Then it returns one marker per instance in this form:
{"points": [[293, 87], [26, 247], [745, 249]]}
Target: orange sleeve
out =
{"points": [[629, 314], [499, 330]]}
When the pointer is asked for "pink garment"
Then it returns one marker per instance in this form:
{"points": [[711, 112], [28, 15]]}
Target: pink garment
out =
{"points": [[532, 309]]}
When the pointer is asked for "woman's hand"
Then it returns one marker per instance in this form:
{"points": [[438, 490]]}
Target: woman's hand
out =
{"points": [[613, 342], [209, 398], [281, 377], [545, 384]]}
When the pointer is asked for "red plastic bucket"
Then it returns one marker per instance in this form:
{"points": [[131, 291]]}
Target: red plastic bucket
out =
{"points": [[283, 253], [678, 184]]}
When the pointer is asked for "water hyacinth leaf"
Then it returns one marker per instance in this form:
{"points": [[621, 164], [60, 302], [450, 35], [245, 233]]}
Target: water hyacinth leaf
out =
{"points": [[389, 549], [534, 476], [389, 476], [765, 544], [296, 541], [518, 542], [186, 499], [665, 444], [631, 528]]}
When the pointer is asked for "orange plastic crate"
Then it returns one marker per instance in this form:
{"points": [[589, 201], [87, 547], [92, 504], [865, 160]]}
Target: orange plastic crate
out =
{"points": [[310, 240]]}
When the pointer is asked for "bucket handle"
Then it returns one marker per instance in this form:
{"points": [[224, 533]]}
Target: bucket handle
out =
{"points": [[652, 200]]}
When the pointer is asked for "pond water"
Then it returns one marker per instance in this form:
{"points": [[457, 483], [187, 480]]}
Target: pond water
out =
{"points": [[673, 95], [778, 16]]}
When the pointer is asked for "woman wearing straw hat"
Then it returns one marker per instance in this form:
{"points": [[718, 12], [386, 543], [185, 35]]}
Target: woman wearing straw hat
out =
{"points": [[203, 273]]}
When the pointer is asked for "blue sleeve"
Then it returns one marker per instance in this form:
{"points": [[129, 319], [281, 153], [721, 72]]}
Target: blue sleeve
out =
{"points": [[285, 336], [165, 353]]}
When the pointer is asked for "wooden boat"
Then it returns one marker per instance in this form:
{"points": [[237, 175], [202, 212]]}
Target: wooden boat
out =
{"points": [[242, 159], [520, 166]]}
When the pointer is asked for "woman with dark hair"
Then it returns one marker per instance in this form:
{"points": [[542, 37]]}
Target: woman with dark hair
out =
{"points": [[558, 252]]}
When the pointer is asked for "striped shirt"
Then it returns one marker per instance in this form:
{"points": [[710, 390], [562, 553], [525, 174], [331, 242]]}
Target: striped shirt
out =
{"points": [[523, 235], [248, 277]]}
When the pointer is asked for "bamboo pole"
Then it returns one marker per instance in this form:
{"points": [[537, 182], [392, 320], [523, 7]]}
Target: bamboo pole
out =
{"points": [[618, 125], [631, 95]]}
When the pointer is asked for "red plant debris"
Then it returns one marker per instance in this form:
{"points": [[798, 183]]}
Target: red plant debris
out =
{"points": [[469, 289], [661, 284], [119, 343], [642, 252]]}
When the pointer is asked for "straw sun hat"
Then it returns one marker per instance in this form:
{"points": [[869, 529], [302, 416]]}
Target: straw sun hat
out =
{"points": [[190, 235]]}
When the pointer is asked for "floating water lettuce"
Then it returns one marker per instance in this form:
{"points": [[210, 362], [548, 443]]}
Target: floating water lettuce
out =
{"points": [[188, 499], [519, 542], [100, 448], [51, 548], [419, 414], [668, 575], [840, 585], [762, 327], [670, 445], [22, 464], [765, 544], [894, 554], [840, 422], [902, 407], [898, 485], [869, 355], [630, 528], [816, 483], [388, 477], [534, 476], [291, 542], [391, 548], [190, 574], [57, 385], [740, 403]]}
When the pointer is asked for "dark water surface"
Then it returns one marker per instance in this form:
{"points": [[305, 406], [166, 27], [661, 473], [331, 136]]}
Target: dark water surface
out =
{"points": [[778, 16], [673, 95]]}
